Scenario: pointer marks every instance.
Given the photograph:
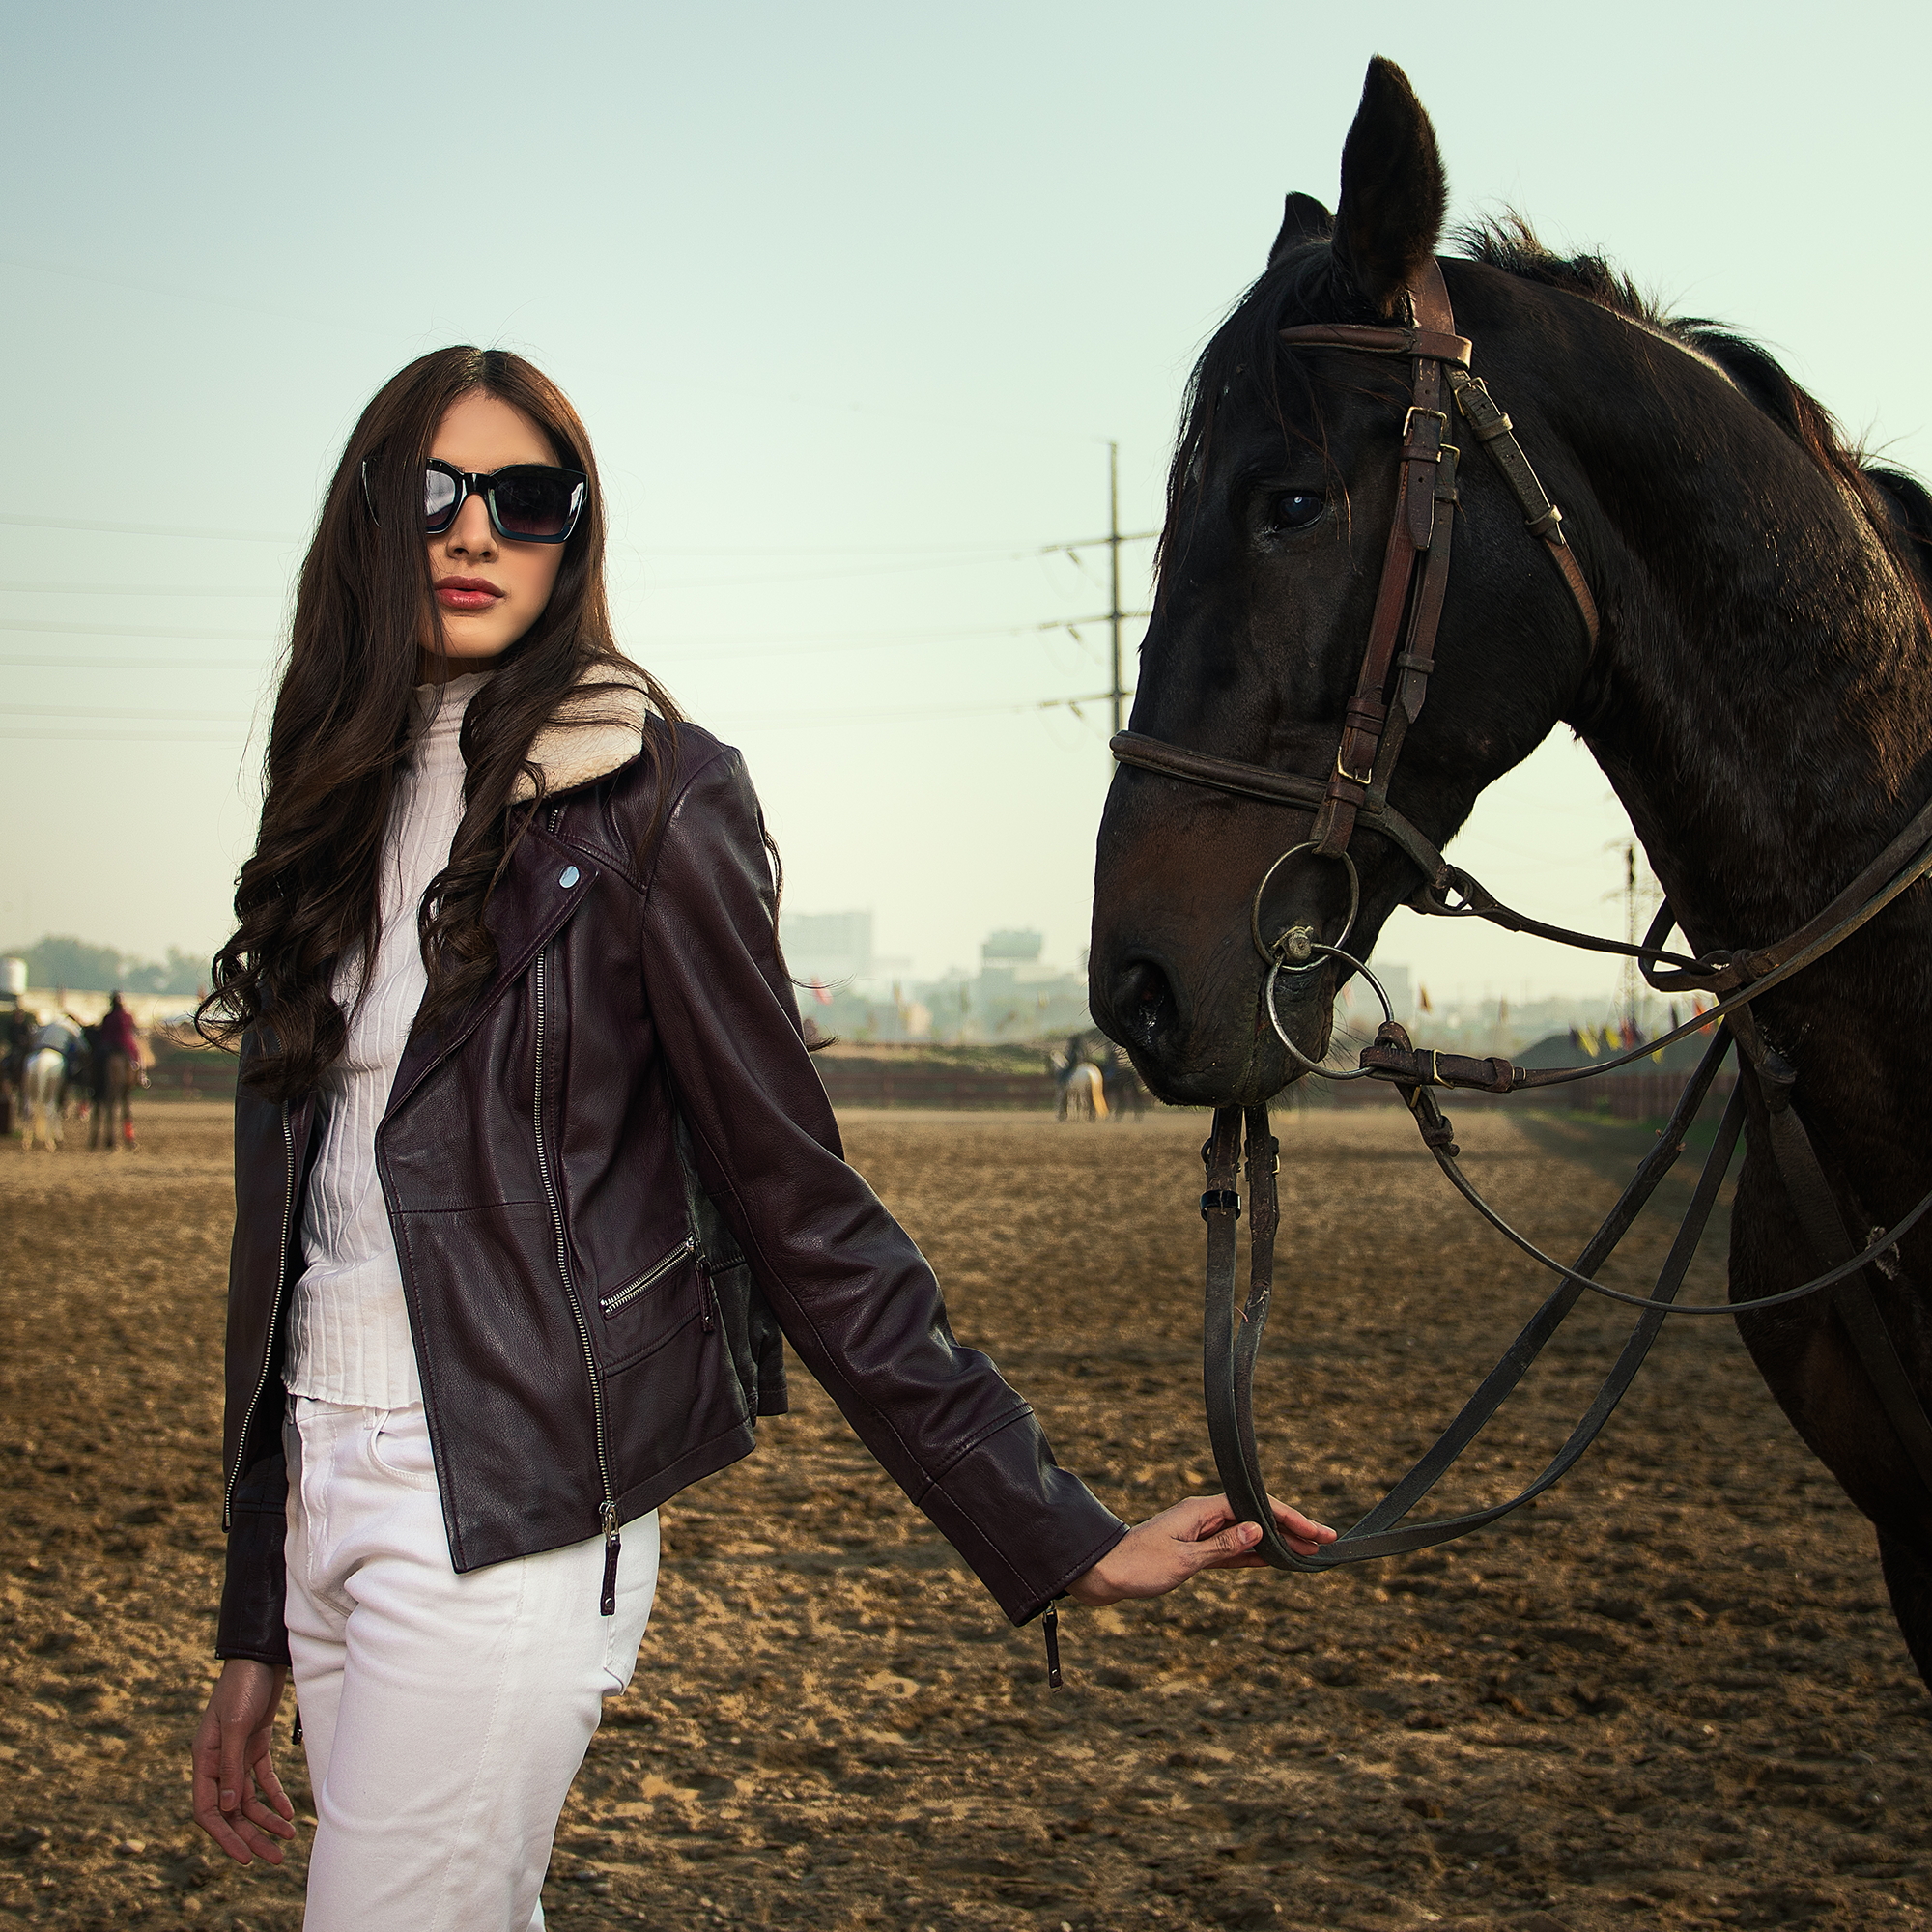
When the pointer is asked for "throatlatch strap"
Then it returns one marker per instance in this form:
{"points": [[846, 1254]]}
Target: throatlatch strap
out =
{"points": [[1540, 518]]}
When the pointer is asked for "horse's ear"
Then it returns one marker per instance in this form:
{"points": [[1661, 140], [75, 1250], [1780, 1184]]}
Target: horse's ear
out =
{"points": [[1394, 193], [1303, 220]]}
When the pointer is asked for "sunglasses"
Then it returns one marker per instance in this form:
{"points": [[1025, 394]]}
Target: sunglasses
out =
{"points": [[528, 502]]}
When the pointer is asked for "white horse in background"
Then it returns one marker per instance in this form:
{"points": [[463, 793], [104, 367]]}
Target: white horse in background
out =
{"points": [[42, 1096], [1083, 1089]]}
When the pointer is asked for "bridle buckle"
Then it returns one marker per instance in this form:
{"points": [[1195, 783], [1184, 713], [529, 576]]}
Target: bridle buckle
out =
{"points": [[1414, 409]]}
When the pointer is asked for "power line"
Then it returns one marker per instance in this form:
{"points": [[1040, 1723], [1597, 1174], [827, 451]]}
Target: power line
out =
{"points": [[694, 649], [145, 529], [951, 559], [775, 720], [140, 590], [841, 576], [130, 664], [39, 735], [824, 720], [699, 650], [991, 549], [1115, 617], [818, 721], [137, 711], [60, 629]]}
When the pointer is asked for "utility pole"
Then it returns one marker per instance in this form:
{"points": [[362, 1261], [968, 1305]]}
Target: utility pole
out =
{"points": [[1117, 693], [1114, 571], [1638, 896], [1628, 988]]}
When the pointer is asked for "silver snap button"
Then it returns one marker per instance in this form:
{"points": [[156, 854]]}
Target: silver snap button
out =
{"points": [[569, 876]]}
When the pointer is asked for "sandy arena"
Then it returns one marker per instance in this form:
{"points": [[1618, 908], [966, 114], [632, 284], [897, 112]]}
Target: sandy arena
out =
{"points": [[1670, 1695]]}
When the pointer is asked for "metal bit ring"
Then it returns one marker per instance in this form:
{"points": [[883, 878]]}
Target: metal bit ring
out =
{"points": [[1300, 1058], [1304, 938]]}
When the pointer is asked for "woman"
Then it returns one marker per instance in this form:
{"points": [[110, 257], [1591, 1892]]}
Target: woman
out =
{"points": [[532, 1169]]}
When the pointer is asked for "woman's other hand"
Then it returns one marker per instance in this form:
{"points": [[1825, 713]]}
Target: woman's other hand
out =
{"points": [[239, 1801], [1198, 1534]]}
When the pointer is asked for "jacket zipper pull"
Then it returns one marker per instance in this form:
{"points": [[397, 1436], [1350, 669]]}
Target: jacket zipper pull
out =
{"points": [[614, 1541], [1050, 1624], [705, 1314]]}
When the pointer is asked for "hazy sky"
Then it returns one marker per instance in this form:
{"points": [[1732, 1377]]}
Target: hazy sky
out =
{"points": [[852, 298]]}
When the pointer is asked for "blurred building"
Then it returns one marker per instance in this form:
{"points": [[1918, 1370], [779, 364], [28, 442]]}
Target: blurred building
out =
{"points": [[1015, 995], [831, 949], [1399, 987]]}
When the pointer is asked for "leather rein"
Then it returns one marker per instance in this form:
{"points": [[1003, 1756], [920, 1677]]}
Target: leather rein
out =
{"points": [[1388, 698]]}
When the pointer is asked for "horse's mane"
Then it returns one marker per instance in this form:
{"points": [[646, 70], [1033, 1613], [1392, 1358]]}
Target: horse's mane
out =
{"points": [[1899, 503], [1305, 283], [1507, 241]]}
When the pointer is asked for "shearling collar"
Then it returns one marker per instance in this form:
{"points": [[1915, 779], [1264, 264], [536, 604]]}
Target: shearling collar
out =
{"points": [[598, 727]]}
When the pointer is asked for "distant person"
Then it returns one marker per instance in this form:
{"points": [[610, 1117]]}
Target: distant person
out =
{"points": [[60, 1034], [16, 1041], [522, 1088], [22, 1024], [117, 1070]]}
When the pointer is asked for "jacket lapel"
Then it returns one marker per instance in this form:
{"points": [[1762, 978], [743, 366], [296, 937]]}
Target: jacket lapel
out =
{"points": [[543, 885], [597, 729]]}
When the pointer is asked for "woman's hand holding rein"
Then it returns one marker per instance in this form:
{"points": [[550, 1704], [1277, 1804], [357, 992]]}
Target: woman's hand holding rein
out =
{"points": [[1199, 1533], [239, 1801]]}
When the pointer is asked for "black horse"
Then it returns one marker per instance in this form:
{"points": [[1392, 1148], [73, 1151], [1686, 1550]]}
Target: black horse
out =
{"points": [[1760, 694]]}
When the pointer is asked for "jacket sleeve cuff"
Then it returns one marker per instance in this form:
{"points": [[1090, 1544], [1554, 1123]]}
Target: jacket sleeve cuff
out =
{"points": [[1028, 1527], [255, 1586]]}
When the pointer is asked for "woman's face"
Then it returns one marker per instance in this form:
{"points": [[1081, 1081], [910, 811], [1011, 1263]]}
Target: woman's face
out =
{"points": [[488, 591]]}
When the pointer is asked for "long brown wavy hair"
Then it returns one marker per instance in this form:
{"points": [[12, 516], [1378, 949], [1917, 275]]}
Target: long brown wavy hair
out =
{"points": [[308, 900]]}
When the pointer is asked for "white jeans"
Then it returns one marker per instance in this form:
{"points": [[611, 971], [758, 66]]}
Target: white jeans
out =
{"points": [[443, 1716]]}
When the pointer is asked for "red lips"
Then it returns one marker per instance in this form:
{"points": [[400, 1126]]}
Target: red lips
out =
{"points": [[467, 593]]}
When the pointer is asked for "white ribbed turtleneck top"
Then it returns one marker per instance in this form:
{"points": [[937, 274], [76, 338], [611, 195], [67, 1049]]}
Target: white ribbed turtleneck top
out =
{"points": [[349, 1328]]}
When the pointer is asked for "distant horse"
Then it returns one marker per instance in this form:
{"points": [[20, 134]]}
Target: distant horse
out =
{"points": [[114, 1082], [1083, 1090], [1122, 1086], [45, 1098]]}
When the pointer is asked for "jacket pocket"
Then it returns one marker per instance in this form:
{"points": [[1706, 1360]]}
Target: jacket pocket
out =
{"points": [[652, 1277], [644, 1311]]}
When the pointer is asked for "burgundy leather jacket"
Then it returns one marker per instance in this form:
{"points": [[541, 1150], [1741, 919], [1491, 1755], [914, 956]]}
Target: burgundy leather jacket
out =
{"points": [[596, 1319]]}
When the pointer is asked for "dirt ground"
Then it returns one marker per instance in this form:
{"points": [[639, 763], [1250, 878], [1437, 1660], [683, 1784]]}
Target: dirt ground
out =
{"points": [[1670, 1695]]}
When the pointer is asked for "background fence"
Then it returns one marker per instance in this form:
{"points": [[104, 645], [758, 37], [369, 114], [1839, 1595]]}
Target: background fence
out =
{"points": [[886, 1080]]}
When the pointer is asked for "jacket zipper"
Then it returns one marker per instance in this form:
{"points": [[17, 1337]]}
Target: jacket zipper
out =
{"points": [[611, 1303], [607, 1514], [275, 1314]]}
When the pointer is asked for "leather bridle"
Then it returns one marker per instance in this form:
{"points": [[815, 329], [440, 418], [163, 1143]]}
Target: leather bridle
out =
{"points": [[1409, 600], [1388, 698]]}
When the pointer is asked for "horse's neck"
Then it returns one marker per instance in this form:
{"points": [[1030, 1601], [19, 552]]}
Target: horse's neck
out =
{"points": [[1763, 700], [1762, 704]]}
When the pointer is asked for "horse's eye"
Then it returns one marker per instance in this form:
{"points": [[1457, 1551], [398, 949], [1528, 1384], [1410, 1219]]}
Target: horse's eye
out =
{"points": [[1293, 510]]}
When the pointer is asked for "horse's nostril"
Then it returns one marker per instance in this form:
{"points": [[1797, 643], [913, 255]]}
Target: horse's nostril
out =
{"points": [[1146, 1003]]}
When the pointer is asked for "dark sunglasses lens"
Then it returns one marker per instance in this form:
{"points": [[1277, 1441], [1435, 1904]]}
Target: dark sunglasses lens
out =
{"points": [[438, 499], [534, 502]]}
